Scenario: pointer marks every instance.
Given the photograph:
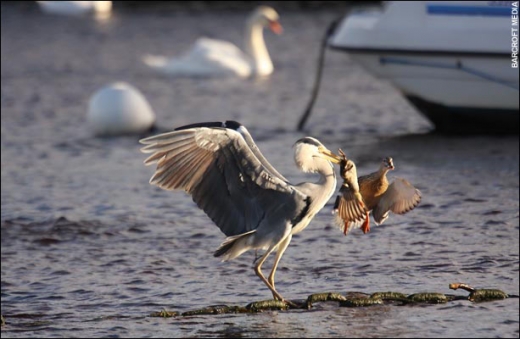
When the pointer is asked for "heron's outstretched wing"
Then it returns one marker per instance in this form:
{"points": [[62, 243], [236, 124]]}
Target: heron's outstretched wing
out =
{"points": [[234, 125], [223, 175], [400, 197]]}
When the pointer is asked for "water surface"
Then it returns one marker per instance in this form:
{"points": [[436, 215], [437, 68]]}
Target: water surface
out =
{"points": [[89, 248]]}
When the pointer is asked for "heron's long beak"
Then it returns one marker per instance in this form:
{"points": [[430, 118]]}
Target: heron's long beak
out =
{"points": [[330, 156]]}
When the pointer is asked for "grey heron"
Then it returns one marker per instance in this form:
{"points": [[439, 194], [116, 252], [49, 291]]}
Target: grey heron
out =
{"points": [[227, 176], [379, 196]]}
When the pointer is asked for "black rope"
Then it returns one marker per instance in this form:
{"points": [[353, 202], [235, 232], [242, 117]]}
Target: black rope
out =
{"points": [[317, 81]]}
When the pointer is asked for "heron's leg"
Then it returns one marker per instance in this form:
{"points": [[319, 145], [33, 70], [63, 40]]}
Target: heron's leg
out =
{"points": [[279, 252], [258, 271]]}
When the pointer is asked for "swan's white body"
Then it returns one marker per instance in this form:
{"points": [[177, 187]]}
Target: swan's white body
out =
{"points": [[75, 7], [119, 108], [208, 57], [211, 57]]}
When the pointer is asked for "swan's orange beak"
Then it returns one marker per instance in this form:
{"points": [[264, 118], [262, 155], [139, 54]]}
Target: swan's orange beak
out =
{"points": [[275, 27]]}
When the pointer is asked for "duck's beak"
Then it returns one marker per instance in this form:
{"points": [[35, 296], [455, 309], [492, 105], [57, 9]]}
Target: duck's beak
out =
{"points": [[275, 27], [336, 159]]}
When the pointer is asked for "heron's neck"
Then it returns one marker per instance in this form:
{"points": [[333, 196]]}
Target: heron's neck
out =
{"points": [[327, 181], [319, 192], [327, 176], [254, 47]]}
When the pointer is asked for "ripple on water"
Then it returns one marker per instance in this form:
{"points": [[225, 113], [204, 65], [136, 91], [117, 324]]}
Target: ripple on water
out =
{"points": [[123, 248]]}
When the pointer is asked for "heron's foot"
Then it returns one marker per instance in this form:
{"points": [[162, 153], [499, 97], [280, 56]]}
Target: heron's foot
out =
{"points": [[290, 304], [277, 296]]}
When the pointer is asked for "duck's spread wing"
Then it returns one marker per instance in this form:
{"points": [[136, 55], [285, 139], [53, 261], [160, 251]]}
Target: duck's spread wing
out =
{"points": [[400, 197], [224, 177], [349, 209]]}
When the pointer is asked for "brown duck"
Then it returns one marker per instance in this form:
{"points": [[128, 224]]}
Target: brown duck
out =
{"points": [[379, 196]]}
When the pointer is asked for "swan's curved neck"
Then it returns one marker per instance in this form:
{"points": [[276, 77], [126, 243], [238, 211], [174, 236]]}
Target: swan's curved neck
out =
{"points": [[254, 46]]}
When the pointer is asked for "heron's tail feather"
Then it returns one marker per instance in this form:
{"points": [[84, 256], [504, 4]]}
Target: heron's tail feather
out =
{"points": [[234, 246]]}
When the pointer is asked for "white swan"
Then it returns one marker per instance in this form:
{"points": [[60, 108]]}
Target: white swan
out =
{"points": [[210, 57], [76, 7], [119, 108]]}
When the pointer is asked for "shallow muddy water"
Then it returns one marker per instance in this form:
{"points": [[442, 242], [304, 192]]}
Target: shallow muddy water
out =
{"points": [[89, 248]]}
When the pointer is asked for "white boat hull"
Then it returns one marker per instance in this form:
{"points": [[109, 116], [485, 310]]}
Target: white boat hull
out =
{"points": [[473, 81]]}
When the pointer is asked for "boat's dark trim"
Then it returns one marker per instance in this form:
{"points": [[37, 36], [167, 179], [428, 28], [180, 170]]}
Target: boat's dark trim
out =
{"points": [[415, 52], [448, 119], [451, 9]]}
